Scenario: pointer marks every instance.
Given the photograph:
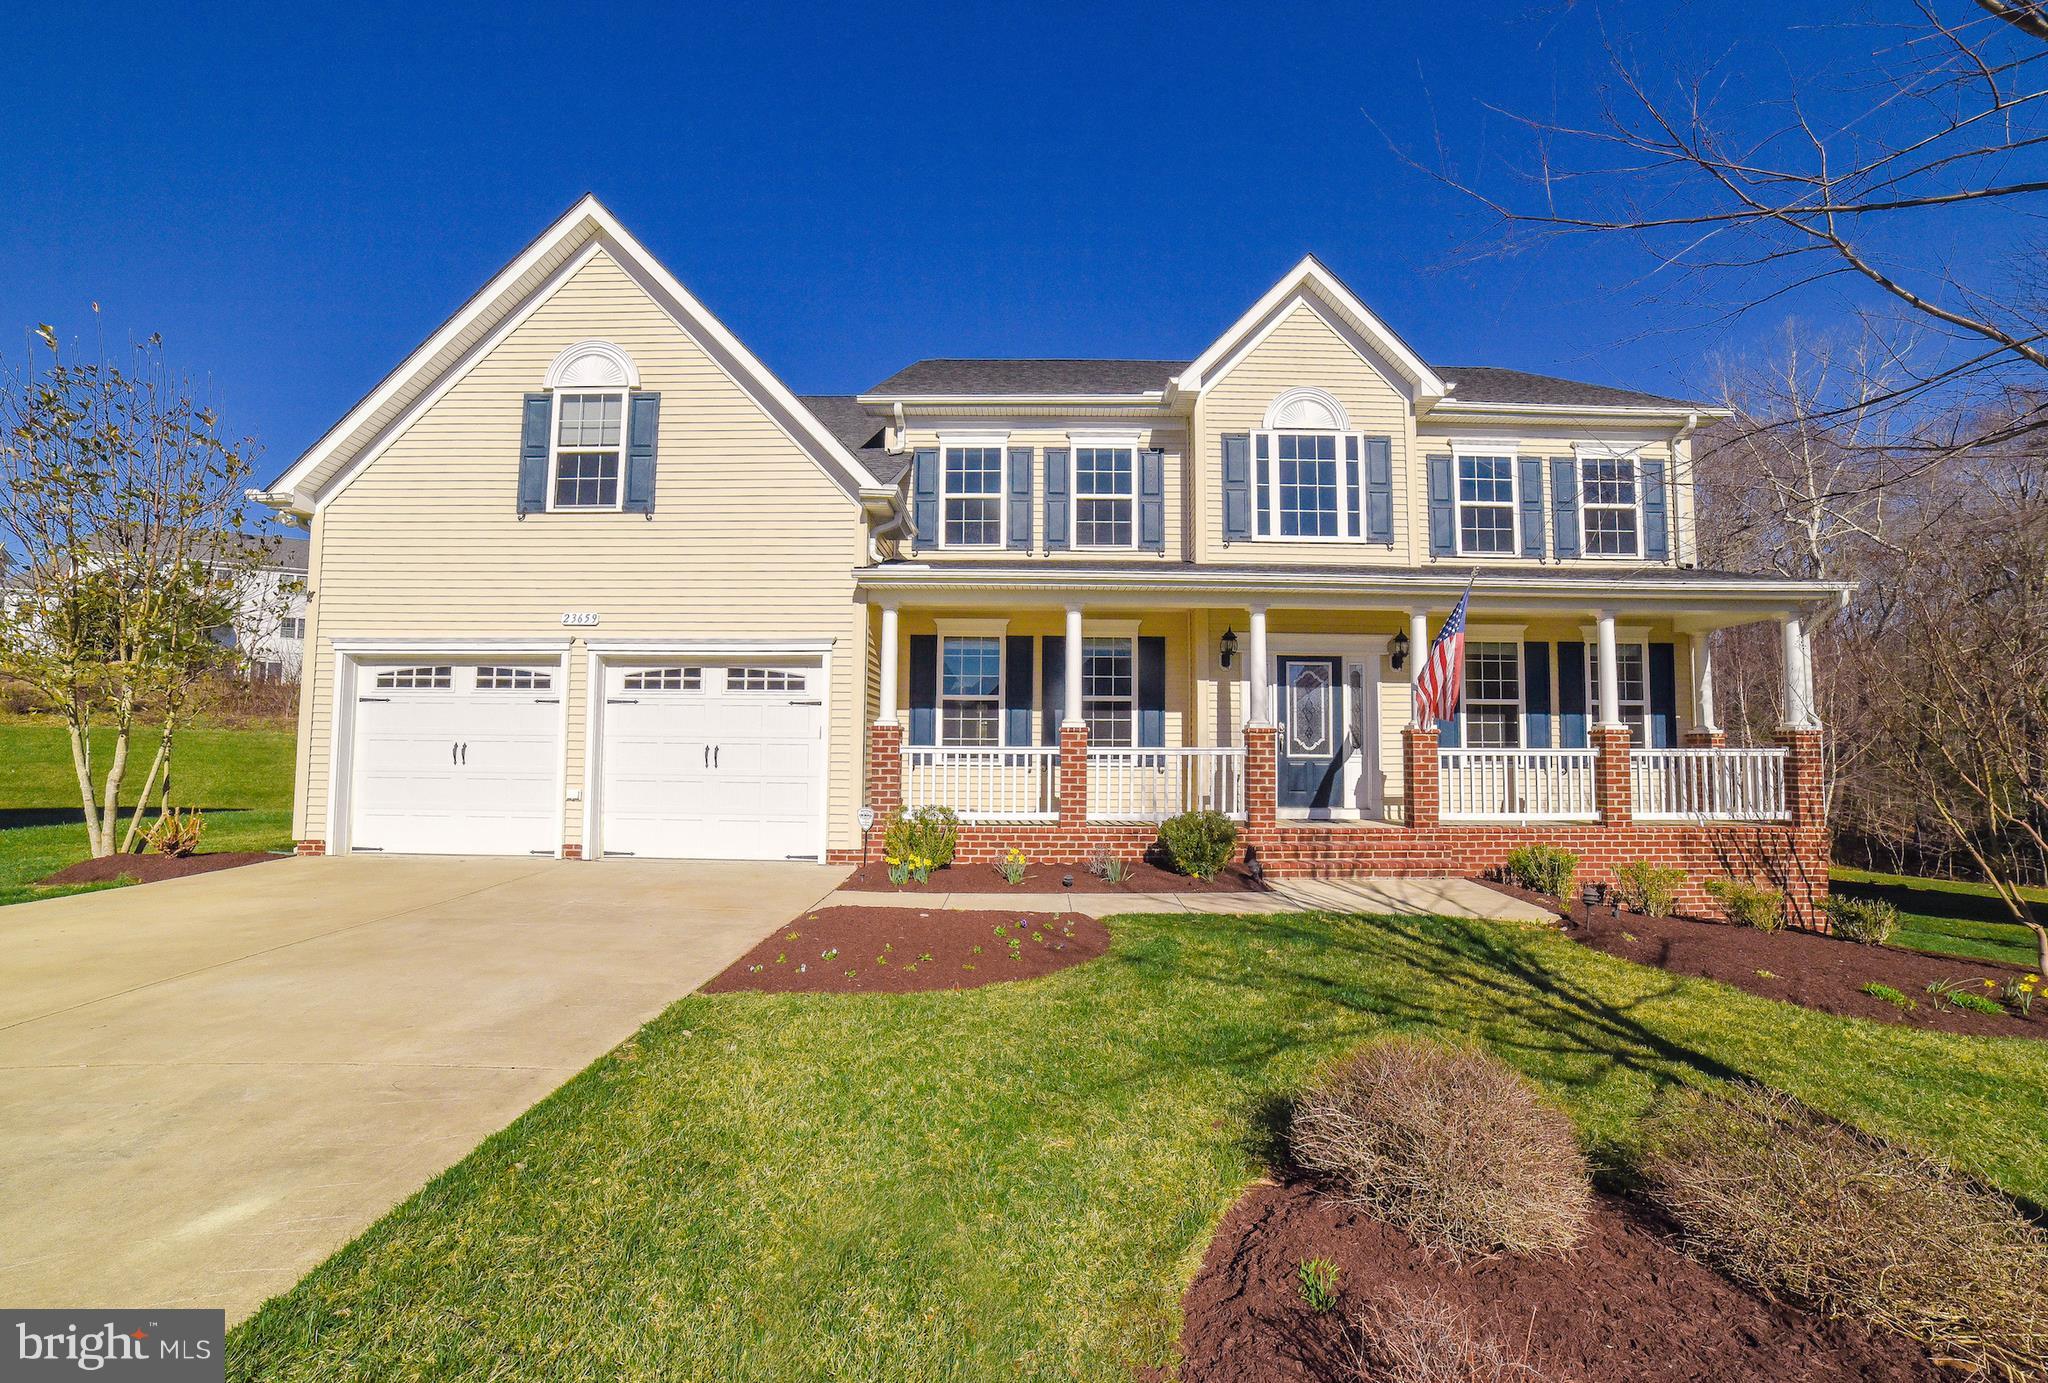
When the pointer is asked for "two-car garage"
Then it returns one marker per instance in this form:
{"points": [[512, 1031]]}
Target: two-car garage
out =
{"points": [[707, 757]]}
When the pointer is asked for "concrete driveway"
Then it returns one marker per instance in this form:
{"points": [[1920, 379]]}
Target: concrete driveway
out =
{"points": [[209, 1084]]}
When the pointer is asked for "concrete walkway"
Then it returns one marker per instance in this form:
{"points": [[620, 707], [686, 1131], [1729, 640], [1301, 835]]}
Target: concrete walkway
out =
{"points": [[1444, 897], [209, 1084]]}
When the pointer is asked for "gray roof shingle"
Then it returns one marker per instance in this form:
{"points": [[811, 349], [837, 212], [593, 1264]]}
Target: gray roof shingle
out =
{"points": [[1004, 378], [859, 431]]}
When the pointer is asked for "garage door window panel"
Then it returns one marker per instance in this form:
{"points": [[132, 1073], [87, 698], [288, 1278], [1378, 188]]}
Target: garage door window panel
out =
{"points": [[762, 679], [665, 679], [492, 678], [439, 677]]}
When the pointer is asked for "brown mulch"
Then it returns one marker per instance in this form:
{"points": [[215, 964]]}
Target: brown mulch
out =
{"points": [[147, 869], [1625, 1305], [1146, 877], [904, 950]]}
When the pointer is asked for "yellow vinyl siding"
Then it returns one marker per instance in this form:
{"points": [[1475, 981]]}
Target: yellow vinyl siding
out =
{"points": [[1301, 350], [749, 539]]}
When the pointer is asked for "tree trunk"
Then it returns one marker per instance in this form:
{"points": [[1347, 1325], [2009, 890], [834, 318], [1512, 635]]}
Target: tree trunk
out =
{"points": [[110, 809], [156, 766], [81, 761]]}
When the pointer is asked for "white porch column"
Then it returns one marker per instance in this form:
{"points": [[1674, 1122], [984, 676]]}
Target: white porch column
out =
{"points": [[1798, 675], [886, 713], [1703, 683], [1260, 712], [1418, 653], [1610, 673], [1072, 715]]}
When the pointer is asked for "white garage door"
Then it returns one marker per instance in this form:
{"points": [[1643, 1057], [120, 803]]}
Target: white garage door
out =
{"points": [[457, 759], [713, 761]]}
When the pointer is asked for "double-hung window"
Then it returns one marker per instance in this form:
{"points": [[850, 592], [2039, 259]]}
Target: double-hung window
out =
{"points": [[971, 476], [1104, 496], [1109, 686], [589, 428], [1492, 713], [1486, 505], [1611, 497], [1307, 484], [1632, 682], [971, 690]]}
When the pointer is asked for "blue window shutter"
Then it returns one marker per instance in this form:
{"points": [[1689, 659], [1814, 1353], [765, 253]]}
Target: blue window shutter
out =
{"points": [[1536, 695], [1020, 498], [1237, 486], [1151, 692], [1053, 653], [1571, 695], [924, 689], [1663, 695], [1448, 735], [1564, 509], [924, 490], [1656, 514], [643, 424], [1379, 490], [1058, 498], [1017, 689], [1443, 514], [1532, 506], [1152, 500], [534, 417]]}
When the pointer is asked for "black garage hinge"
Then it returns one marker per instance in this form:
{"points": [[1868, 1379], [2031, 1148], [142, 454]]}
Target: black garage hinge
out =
{"points": [[622, 701], [620, 854], [373, 698], [366, 849]]}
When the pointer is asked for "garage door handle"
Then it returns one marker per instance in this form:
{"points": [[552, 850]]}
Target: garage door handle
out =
{"points": [[454, 752], [715, 751], [621, 701], [373, 698], [707, 756], [465, 752]]}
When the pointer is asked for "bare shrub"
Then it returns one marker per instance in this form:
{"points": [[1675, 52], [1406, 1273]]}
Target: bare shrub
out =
{"points": [[1448, 1144], [1421, 1337], [1782, 1198]]}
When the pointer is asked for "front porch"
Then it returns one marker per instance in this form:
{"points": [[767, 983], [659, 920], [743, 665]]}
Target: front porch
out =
{"points": [[1590, 729]]}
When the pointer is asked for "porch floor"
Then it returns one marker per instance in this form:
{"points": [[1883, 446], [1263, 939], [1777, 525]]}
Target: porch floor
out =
{"points": [[1444, 897]]}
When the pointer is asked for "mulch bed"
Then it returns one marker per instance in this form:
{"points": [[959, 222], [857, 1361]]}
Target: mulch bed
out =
{"points": [[1626, 1305], [905, 950], [1146, 877], [147, 869]]}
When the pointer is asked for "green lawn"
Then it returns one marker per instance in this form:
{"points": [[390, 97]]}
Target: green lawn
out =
{"points": [[1020, 1181], [243, 778], [1947, 917]]}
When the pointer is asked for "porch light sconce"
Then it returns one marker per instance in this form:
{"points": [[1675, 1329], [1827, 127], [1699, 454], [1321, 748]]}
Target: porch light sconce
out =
{"points": [[1399, 649], [1229, 646]]}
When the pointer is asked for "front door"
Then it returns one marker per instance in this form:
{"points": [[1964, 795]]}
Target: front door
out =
{"points": [[1311, 731]]}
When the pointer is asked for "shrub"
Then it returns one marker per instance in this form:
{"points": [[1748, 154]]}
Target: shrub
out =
{"points": [[1647, 888], [1948, 994], [1748, 905], [1889, 995], [1544, 869], [1422, 1337], [1316, 1280], [1109, 868], [1198, 844], [1448, 1144], [1793, 1203], [916, 843], [1012, 866], [176, 833], [1868, 920]]}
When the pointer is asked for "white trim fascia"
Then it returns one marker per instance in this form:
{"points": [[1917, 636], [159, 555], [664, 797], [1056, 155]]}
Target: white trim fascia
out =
{"points": [[1107, 628], [453, 648], [1623, 633], [1602, 450], [1508, 631], [914, 402], [1307, 275], [971, 628], [1108, 437], [1676, 415], [590, 217], [704, 648]]}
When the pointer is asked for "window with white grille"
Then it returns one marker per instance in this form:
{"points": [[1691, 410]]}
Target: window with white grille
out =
{"points": [[666, 679], [762, 679], [513, 679], [1493, 696], [438, 677]]}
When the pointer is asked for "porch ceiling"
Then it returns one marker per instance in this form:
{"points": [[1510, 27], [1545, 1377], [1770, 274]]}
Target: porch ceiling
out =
{"points": [[1693, 600]]}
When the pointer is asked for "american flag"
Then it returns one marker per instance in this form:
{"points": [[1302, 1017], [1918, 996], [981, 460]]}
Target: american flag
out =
{"points": [[1441, 684]]}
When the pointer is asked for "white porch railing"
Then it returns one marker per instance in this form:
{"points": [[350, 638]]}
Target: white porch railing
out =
{"points": [[1517, 785], [1708, 784], [1154, 784], [984, 784]]}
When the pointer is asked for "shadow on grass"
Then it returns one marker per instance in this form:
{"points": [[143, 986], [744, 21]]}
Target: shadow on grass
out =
{"points": [[1937, 902], [13, 817]]}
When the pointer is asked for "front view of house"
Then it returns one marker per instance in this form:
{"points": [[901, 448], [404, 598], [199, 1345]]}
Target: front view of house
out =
{"points": [[587, 580]]}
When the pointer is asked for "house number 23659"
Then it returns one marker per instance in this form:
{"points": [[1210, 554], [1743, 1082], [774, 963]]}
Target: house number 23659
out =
{"points": [[580, 617]]}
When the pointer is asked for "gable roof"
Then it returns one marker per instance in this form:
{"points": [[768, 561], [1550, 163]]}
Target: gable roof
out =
{"points": [[1488, 384], [859, 431], [1009, 378], [515, 291]]}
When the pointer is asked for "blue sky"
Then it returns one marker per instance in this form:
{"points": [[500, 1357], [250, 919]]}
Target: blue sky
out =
{"points": [[295, 205]]}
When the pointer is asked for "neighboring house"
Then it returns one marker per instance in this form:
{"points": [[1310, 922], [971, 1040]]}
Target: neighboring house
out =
{"points": [[269, 630], [587, 579]]}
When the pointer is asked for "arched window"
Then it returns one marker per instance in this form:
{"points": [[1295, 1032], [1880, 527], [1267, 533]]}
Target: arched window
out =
{"points": [[587, 433], [1305, 464]]}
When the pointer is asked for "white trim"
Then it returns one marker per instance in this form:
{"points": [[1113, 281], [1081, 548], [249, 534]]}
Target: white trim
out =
{"points": [[618, 503], [711, 648], [980, 628], [1482, 451], [1677, 414], [1092, 627], [447, 648], [1309, 276], [1340, 419], [1497, 632], [589, 219], [1133, 437], [615, 369], [999, 442], [1099, 442], [1361, 652]]}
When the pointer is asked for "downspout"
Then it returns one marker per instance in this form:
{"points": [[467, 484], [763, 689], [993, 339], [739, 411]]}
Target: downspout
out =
{"points": [[892, 528]]}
